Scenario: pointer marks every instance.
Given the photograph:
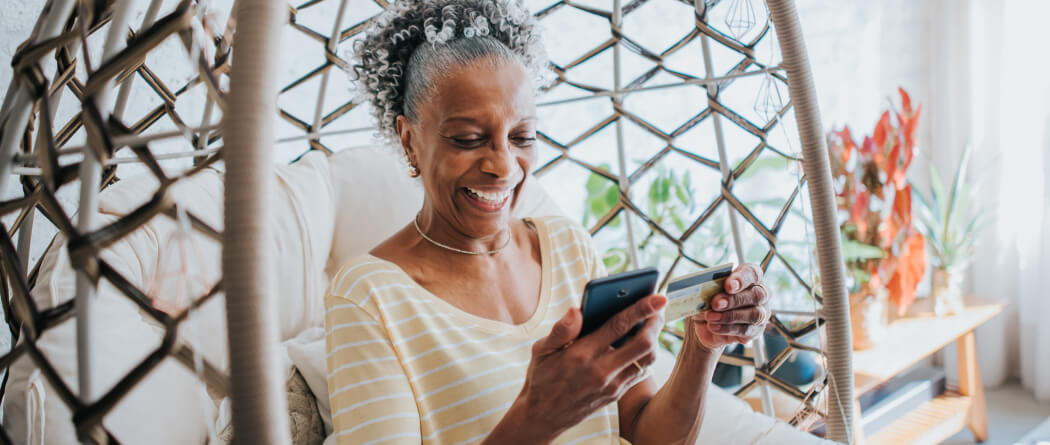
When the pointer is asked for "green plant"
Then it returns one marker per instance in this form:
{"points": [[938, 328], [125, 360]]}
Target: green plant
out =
{"points": [[946, 218], [602, 196], [670, 194]]}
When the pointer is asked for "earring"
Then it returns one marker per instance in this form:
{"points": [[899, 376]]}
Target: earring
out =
{"points": [[413, 171]]}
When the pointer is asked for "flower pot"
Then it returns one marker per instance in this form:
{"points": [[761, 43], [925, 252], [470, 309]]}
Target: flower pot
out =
{"points": [[947, 291], [868, 318]]}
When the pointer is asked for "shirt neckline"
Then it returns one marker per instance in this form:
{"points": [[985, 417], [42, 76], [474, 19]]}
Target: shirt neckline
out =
{"points": [[524, 328]]}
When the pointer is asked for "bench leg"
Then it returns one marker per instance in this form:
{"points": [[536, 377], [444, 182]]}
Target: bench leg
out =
{"points": [[970, 385]]}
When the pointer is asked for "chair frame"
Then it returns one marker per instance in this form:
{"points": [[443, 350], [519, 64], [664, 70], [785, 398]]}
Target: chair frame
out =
{"points": [[254, 381]]}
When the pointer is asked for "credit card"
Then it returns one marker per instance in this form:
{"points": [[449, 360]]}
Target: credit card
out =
{"points": [[691, 294]]}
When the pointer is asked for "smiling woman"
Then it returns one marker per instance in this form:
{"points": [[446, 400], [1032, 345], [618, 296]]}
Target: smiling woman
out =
{"points": [[463, 326]]}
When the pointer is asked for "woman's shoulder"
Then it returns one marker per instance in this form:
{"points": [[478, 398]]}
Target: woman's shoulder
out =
{"points": [[571, 246], [359, 278], [561, 229]]}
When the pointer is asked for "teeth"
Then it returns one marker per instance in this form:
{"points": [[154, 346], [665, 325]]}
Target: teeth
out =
{"points": [[491, 197]]}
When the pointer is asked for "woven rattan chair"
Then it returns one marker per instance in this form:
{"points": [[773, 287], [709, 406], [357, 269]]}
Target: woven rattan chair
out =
{"points": [[61, 59]]}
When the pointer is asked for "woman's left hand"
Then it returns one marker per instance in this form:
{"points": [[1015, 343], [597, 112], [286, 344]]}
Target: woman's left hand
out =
{"points": [[737, 315]]}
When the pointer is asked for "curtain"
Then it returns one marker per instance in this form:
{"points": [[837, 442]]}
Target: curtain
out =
{"points": [[990, 89]]}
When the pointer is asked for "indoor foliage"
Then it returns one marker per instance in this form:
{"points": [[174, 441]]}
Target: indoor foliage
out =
{"points": [[881, 245]]}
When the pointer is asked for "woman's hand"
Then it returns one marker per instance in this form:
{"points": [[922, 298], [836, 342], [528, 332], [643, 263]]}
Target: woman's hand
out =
{"points": [[737, 315], [570, 378]]}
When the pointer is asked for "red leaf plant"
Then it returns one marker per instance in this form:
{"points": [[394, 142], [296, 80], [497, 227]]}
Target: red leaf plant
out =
{"points": [[874, 199]]}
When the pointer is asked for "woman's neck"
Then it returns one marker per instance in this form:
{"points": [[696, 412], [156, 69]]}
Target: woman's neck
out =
{"points": [[440, 233]]}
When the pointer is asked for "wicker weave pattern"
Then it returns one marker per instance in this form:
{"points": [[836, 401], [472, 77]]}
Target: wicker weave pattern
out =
{"points": [[187, 110]]}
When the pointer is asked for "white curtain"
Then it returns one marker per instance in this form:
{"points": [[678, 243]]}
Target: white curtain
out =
{"points": [[990, 87]]}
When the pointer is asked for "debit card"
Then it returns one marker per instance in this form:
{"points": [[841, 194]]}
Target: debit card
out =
{"points": [[691, 294]]}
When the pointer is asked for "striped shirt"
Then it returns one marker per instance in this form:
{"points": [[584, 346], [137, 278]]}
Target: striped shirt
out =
{"points": [[405, 366]]}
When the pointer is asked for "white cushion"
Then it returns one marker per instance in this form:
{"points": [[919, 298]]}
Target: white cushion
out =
{"points": [[304, 221], [374, 198], [307, 353]]}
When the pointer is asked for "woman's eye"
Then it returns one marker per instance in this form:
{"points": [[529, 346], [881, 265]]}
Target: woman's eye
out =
{"points": [[468, 142], [524, 141]]}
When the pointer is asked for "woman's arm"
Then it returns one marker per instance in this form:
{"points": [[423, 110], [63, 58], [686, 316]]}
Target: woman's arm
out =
{"points": [[674, 413]]}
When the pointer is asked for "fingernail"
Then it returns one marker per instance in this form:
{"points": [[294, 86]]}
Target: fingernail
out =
{"points": [[733, 285], [714, 316], [659, 302], [716, 327], [721, 304]]}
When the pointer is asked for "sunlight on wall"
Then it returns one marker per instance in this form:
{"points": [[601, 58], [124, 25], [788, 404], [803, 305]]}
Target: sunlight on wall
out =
{"points": [[1024, 130]]}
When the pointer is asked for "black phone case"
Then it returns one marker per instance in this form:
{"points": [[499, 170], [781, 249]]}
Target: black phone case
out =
{"points": [[605, 297]]}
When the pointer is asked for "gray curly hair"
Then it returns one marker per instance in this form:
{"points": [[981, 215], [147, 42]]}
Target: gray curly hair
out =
{"points": [[414, 42]]}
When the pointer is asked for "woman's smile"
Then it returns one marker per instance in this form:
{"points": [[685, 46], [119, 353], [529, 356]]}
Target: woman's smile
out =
{"points": [[488, 200]]}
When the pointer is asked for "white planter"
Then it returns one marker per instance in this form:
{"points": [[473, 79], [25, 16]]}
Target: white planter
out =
{"points": [[947, 291]]}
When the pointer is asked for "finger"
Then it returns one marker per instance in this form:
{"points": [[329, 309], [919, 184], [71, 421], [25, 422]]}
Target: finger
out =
{"points": [[643, 343], [628, 378], [755, 295], [647, 360], [757, 315], [562, 333], [741, 340], [743, 276], [741, 330], [622, 323]]}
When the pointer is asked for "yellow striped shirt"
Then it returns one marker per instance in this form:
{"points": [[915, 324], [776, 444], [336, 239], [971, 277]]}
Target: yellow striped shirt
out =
{"points": [[405, 366]]}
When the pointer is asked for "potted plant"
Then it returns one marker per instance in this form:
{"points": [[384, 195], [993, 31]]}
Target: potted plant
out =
{"points": [[950, 230], [884, 253]]}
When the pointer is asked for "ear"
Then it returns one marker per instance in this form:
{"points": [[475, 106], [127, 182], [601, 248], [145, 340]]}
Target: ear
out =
{"points": [[404, 132]]}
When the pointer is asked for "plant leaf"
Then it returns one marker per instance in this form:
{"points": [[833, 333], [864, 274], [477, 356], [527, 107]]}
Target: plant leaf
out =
{"points": [[858, 251], [911, 264], [615, 260], [597, 183], [765, 163], [680, 192], [960, 176], [612, 198], [677, 220], [654, 194], [939, 195], [860, 277]]}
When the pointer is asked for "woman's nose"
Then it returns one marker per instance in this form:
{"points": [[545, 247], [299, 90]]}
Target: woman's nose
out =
{"points": [[499, 161]]}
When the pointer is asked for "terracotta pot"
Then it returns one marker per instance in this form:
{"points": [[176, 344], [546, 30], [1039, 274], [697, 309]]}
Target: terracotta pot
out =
{"points": [[947, 291], [868, 318]]}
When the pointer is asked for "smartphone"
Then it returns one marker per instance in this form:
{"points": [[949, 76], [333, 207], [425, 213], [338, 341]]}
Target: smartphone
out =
{"points": [[605, 297]]}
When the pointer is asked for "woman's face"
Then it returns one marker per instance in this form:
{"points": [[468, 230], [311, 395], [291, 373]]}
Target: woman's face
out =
{"points": [[473, 142]]}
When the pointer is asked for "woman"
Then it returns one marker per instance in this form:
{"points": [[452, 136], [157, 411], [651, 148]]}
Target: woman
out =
{"points": [[462, 327]]}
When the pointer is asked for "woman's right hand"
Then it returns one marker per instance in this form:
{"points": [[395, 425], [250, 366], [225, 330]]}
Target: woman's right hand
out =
{"points": [[570, 378]]}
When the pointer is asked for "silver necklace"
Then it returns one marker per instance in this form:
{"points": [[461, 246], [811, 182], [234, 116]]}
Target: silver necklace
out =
{"points": [[415, 222]]}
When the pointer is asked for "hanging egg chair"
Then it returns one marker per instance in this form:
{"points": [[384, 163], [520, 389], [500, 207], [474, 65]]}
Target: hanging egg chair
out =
{"points": [[685, 133]]}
